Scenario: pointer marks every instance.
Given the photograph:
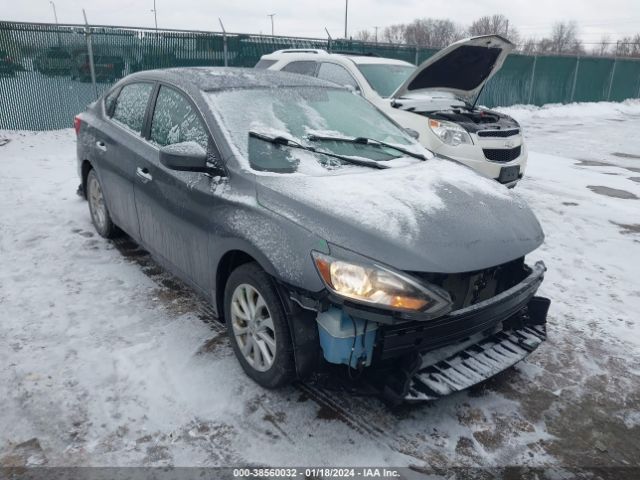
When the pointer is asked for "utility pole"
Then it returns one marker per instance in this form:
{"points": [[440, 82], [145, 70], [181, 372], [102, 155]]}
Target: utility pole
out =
{"points": [[346, 14], [376, 27], [155, 14], [271, 15], [506, 30]]}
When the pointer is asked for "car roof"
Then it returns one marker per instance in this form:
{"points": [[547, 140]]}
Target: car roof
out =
{"points": [[306, 54], [218, 78]]}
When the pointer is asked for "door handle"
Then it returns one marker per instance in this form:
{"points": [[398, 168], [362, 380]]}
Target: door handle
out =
{"points": [[144, 174], [101, 145]]}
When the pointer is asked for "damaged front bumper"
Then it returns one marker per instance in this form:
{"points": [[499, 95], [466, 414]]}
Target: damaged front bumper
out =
{"points": [[406, 358]]}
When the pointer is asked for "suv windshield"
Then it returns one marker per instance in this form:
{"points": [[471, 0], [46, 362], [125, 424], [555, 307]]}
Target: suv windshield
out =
{"points": [[385, 78], [296, 113]]}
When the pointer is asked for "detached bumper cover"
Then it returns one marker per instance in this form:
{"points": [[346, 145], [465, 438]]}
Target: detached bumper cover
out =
{"points": [[474, 364]]}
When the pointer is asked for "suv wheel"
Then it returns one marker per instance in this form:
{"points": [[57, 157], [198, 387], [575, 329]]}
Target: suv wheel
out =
{"points": [[257, 327], [100, 216]]}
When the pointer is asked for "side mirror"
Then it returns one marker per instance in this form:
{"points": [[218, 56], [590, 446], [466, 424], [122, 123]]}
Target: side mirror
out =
{"points": [[185, 157], [353, 89], [412, 133]]}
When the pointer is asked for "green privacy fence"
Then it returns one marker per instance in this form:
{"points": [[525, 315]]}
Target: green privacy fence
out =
{"points": [[46, 78]]}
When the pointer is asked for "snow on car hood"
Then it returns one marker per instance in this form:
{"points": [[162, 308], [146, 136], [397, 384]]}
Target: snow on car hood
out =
{"points": [[433, 216], [462, 68]]}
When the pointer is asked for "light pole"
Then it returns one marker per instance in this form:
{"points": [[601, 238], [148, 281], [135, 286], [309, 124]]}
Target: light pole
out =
{"points": [[55, 16], [155, 14], [271, 15], [376, 27], [346, 14]]}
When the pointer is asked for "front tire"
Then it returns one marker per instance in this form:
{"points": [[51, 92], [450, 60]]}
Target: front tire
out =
{"points": [[257, 327], [100, 216]]}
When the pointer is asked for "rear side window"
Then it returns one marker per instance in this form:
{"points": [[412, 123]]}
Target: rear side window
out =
{"points": [[262, 64], [336, 74], [131, 105], [303, 68], [175, 120]]}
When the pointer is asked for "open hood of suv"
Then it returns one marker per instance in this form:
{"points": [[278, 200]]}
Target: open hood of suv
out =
{"points": [[462, 68]]}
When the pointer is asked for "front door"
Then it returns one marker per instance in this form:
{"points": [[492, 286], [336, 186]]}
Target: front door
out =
{"points": [[174, 208]]}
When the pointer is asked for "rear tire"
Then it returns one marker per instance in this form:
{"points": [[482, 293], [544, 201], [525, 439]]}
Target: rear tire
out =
{"points": [[100, 216], [257, 327]]}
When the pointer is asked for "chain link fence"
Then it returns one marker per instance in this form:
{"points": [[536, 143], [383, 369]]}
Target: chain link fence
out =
{"points": [[46, 75]]}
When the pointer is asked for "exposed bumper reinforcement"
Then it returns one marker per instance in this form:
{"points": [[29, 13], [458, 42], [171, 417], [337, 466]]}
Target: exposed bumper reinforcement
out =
{"points": [[474, 364]]}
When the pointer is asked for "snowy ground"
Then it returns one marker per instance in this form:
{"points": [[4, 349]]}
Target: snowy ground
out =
{"points": [[107, 360]]}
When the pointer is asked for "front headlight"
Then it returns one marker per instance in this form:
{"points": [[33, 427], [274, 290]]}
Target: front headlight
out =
{"points": [[381, 286], [450, 133]]}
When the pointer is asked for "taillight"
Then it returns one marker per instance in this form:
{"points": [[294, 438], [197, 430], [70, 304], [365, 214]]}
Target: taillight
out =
{"points": [[76, 124]]}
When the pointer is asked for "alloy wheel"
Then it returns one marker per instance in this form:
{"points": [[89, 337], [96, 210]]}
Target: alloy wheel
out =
{"points": [[253, 327], [96, 203]]}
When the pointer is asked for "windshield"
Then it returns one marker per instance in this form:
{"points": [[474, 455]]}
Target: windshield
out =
{"points": [[384, 78], [299, 113]]}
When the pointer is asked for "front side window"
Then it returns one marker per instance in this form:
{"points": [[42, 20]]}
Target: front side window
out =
{"points": [[131, 105], [175, 120], [385, 79], [303, 68], [336, 74]]}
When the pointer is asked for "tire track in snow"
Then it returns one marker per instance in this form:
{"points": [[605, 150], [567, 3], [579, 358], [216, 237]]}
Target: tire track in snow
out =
{"points": [[351, 411]]}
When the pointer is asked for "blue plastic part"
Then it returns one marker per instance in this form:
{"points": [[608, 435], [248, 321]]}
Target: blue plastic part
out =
{"points": [[337, 335]]}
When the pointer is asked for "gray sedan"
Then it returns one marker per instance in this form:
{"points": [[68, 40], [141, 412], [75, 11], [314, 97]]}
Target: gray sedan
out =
{"points": [[321, 232]]}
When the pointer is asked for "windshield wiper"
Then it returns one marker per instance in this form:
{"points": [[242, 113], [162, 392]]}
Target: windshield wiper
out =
{"points": [[366, 141], [278, 140]]}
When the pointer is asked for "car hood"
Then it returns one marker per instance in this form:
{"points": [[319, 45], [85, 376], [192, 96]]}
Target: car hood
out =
{"points": [[433, 216], [462, 68]]}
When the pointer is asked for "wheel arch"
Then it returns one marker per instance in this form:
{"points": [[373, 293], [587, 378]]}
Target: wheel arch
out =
{"points": [[228, 262], [85, 168]]}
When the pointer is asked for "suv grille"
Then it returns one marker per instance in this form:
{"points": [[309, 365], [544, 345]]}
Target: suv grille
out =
{"points": [[498, 133], [501, 154]]}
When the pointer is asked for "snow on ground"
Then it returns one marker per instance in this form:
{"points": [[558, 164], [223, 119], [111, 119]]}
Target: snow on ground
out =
{"points": [[107, 360]]}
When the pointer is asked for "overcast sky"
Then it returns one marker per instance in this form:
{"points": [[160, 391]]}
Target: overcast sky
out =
{"points": [[309, 17]]}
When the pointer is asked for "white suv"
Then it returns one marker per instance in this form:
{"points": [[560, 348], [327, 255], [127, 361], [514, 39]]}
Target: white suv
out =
{"points": [[437, 100]]}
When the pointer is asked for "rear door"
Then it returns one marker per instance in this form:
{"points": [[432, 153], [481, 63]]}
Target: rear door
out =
{"points": [[119, 144], [174, 208]]}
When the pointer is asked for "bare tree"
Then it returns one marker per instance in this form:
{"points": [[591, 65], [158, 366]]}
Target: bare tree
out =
{"points": [[564, 38], [394, 33], [529, 46], [628, 46], [364, 36], [494, 24], [603, 47], [431, 32]]}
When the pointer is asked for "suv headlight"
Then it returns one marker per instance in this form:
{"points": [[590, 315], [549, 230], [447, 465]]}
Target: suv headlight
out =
{"points": [[380, 286], [450, 133]]}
